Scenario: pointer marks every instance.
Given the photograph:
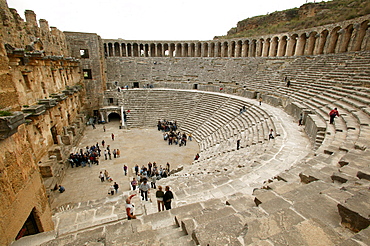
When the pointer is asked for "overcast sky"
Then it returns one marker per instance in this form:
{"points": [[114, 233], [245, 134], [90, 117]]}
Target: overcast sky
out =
{"points": [[150, 19]]}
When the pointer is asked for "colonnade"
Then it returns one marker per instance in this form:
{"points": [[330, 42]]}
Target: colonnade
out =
{"points": [[327, 39]]}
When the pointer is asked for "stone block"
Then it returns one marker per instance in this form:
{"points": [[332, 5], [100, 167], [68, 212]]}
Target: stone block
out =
{"points": [[9, 124], [354, 212], [210, 233], [274, 205], [270, 225], [159, 220], [241, 203]]}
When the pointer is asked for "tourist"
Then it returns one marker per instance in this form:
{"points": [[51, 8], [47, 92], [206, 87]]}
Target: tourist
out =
{"points": [[144, 189], [167, 198], [271, 135], [61, 189], [190, 137], [134, 184], [159, 195], [111, 190], [196, 157], [136, 169], [118, 153], [104, 131], [153, 180], [101, 176], [237, 144], [106, 174], [333, 114], [130, 208], [125, 169], [116, 187], [260, 100], [112, 136], [300, 119], [114, 153], [102, 143]]}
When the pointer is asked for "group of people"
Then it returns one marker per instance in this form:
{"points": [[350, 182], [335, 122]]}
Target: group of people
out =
{"points": [[175, 138], [164, 199], [166, 126], [85, 157]]}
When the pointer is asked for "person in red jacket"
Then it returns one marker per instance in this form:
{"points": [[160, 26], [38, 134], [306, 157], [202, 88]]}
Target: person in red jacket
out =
{"points": [[333, 114]]}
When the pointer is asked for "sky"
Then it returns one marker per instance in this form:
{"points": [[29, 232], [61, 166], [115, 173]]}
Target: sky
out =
{"points": [[150, 19]]}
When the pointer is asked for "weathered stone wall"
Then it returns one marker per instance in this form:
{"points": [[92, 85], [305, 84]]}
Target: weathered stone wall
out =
{"points": [[39, 78], [93, 60]]}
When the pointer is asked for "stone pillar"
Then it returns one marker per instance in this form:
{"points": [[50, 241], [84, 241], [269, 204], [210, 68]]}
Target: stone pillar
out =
{"points": [[290, 50], [282, 46], [30, 18], [266, 48], [245, 48], [274, 47], [299, 51]]}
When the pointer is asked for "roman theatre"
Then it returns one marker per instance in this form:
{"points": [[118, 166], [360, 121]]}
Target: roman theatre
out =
{"points": [[309, 185]]}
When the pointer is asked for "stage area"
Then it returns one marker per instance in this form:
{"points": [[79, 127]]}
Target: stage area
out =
{"points": [[137, 146]]}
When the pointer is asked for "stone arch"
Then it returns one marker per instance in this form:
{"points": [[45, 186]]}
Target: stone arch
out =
{"points": [[198, 49], [105, 50], [322, 41], [110, 49], [185, 50], [274, 47], [178, 51], [245, 49], [152, 50], [301, 45], [266, 47], [259, 47], [333, 40], [166, 49], [218, 49], [192, 50], [252, 48], [282, 46], [159, 50], [345, 38], [360, 34], [291, 45], [141, 50], [113, 116], [117, 50], [239, 47], [135, 49], [212, 49], [205, 50], [123, 48], [232, 49], [225, 49], [146, 50], [129, 50], [172, 50], [310, 43]]}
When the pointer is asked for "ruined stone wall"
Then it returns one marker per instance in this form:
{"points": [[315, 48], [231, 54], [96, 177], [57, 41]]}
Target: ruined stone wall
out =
{"points": [[41, 86], [88, 47]]}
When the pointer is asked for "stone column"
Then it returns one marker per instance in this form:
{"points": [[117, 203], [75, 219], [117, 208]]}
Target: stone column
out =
{"points": [[266, 48]]}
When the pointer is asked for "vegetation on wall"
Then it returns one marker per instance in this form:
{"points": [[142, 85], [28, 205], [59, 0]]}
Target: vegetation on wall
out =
{"points": [[307, 16]]}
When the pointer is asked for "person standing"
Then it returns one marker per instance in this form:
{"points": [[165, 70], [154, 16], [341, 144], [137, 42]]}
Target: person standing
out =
{"points": [[102, 143], [112, 136], [260, 100], [237, 144], [101, 176], [115, 153], [333, 114], [116, 187], [118, 153], [111, 190], [104, 128], [106, 174], [136, 169], [134, 184], [159, 195], [125, 169], [167, 198], [130, 208], [144, 189]]}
